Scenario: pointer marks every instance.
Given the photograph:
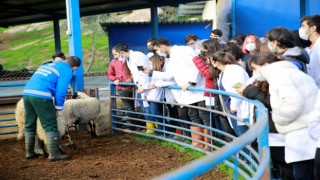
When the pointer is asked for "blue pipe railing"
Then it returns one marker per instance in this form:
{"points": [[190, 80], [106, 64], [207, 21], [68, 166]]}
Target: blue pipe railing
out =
{"points": [[257, 165], [3, 126]]}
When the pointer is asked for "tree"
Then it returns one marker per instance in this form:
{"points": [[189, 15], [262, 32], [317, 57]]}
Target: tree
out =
{"points": [[90, 24]]}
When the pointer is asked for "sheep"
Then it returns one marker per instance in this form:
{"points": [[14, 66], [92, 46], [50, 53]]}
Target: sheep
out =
{"points": [[86, 109], [21, 121]]}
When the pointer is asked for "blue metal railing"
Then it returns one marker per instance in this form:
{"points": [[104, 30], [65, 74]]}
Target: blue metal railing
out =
{"points": [[251, 165], [4, 126]]}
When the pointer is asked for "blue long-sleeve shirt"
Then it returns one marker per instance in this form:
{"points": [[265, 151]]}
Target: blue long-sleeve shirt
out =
{"points": [[50, 80]]}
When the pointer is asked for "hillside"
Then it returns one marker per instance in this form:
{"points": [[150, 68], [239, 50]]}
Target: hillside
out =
{"points": [[28, 46]]}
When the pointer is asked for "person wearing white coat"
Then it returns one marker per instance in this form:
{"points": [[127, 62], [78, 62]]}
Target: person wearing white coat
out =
{"points": [[258, 89], [310, 30], [186, 74], [133, 60], [314, 132], [292, 97], [232, 73]]}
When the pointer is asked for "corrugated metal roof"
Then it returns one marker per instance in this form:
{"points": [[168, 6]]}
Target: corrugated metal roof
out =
{"points": [[103, 24], [14, 12]]}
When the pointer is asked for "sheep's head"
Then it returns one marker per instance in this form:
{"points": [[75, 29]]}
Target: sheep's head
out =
{"points": [[75, 95], [80, 95]]}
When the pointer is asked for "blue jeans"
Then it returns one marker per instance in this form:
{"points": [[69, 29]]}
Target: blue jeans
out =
{"points": [[156, 109], [144, 109]]}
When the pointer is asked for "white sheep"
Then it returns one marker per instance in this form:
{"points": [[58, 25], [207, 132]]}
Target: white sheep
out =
{"points": [[21, 121], [86, 109]]}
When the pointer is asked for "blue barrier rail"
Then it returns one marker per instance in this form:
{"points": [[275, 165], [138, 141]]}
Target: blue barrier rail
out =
{"points": [[252, 165], [8, 112]]}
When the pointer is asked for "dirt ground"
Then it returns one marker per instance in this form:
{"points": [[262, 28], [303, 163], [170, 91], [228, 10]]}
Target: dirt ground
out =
{"points": [[122, 156], [113, 157]]}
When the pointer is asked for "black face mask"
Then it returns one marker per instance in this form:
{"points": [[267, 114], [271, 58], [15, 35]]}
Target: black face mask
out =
{"points": [[150, 49]]}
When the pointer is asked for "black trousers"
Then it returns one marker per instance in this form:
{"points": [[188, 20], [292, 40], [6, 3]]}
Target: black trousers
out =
{"points": [[183, 114], [280, 167]]}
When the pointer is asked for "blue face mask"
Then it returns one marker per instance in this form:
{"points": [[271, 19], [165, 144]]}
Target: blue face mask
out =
{"points": [[193, 47]]}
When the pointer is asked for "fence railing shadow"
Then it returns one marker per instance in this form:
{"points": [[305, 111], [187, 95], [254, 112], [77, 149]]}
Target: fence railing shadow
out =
{"points": [[250, 162]]}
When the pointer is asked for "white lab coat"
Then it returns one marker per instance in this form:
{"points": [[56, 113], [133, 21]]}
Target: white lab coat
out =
{"points": [[314, 65], [233, 74], [183, 70]]}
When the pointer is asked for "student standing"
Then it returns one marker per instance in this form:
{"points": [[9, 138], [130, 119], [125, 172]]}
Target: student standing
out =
{"points": [[310, 29], [292, 97], [232, 73]]}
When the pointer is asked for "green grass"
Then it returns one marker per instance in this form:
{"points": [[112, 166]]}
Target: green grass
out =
{"points": [[33, 55], [193, 154], [3, 29], [186, 18]]}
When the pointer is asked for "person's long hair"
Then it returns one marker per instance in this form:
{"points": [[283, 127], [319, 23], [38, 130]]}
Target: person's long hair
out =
{"points": [[157, 62], [260, 58], [223, 57]]}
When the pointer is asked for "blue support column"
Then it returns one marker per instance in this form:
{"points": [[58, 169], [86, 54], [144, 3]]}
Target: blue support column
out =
{"points": [[154, 21], [234, 20], [75, 43], [304, 8], [56, 32]]}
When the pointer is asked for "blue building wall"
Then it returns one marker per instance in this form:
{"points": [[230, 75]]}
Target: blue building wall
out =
{"points": [[136, 35], [258, 16]]}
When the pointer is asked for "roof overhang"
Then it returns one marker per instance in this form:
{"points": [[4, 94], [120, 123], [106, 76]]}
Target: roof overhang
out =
{"points": [[15, 12]]}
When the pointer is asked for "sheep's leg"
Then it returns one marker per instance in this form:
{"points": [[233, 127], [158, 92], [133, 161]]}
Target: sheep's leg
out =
{"points": [[71, 144], [92, 129]]}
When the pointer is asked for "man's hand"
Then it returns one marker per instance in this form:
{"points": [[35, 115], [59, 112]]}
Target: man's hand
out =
{"points": [[140, 90], [146, 70], [184, 87], [116, 82], [233, 111]]}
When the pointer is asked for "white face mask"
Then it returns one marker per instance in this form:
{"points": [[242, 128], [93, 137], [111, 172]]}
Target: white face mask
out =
{"points": [[302, 34], [250, 46], [271, 48], [257, 75], [122, 59], [161, 54], [198, 51]]}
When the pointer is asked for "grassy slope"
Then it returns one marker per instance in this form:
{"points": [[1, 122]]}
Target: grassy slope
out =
{"points": [[33, 55]]}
